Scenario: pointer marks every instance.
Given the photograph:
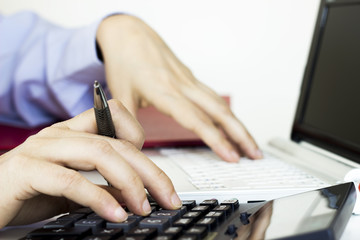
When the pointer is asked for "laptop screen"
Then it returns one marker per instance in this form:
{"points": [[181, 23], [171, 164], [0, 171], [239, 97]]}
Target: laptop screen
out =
{"points": [[328, 113]]}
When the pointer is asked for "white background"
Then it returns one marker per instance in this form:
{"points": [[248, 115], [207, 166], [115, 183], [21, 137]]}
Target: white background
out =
{"points": [[254, 51]]}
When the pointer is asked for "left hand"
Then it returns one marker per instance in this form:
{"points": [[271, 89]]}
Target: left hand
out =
{"points": [[141, 70]]}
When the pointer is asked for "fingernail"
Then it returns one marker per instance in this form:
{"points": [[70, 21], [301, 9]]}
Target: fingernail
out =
{"points": [[146, 207], [258, 154], [120, 214], [175, 200], [234, 155]]}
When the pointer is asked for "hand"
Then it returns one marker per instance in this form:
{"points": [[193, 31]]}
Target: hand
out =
{"points": [[141, 70], [38, 179]]}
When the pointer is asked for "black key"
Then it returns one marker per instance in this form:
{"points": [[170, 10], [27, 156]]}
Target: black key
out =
{"points": [[33, 238], [106, 232], [227, 209], [211, 203], [72, 216], [132, 238], [53, 232], [218, 216], [164, 237], [147, 232], [189, 204], [209, 223], [234, 203], [173, 231], [59, 224], [172, 215], [188, 237], [93, 216], [85, 211], [203, 209], [134, 216], [194, 215], [181, 210], [97, 238], [185, 223], [200, 232], [93, 223], [126, 225], [160, 223], [64, 238]]}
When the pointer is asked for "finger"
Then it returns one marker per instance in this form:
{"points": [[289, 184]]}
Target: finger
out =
{"points": [[221, 113], [155, 180], [191, 117], [64, 182], [126, 126], [91, 154]]}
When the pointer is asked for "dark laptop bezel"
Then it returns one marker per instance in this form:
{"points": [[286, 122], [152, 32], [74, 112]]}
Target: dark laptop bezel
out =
{"points": [[301, 131]]}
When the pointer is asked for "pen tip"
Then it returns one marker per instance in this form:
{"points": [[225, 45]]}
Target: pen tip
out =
{"points": [[96, 84]]}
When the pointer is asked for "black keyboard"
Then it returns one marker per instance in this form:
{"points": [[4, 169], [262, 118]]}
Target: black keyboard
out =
{"points": [[318, 214], [191, 222]]}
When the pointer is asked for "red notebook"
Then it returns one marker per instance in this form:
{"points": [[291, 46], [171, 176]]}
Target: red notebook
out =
{"points": [[160, 131]]}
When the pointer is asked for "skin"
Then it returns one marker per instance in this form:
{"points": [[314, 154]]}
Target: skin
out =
{"points": [[141, 71], [47, 178]]}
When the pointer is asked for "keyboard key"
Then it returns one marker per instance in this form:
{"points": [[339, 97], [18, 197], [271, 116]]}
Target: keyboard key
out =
{"points": [[134, 216], [172, 215], [85, 211], [111, 233], [209, 223], [233, 203], [93, 216], [59, 224], [173, 231], [194, 215], [147, 232], [189, 204], [218, 216], [226, 209], [132, 238], [200, 232], [203, 210], [53, 232], [126, 225], [160, 223], [185, 223], [188, 237], [164, 237], [72, 216], [211, 203], [96, 238], [93, 223]]}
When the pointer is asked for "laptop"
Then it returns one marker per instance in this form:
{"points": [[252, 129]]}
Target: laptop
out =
{"points": [[324, 147]]}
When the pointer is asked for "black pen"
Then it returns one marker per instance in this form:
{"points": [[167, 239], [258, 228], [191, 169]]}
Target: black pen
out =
{"points": [[103, 117], [104, 121]]}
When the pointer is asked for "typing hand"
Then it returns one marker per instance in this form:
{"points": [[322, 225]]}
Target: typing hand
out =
{"points": [[38, 179], [141, 70]]}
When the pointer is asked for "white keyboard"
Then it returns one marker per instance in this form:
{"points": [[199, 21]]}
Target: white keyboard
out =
{"points": [[206, 171]]}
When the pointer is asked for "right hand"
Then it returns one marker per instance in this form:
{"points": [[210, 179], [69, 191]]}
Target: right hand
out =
{"points": [[38, 179]]}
